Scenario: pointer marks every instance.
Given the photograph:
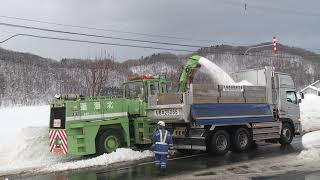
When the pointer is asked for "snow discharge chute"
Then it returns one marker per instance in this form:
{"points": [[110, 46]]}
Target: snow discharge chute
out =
{"points": [[194, 63]]}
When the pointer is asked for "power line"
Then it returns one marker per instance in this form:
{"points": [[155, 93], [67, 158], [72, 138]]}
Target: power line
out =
{"points": [[232, 51], [93, 42], [97, 36], [240, 53], [129, 32], [106, 30]]}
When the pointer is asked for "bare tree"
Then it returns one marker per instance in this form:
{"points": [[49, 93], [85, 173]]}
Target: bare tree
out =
{"points": [[96, 75]]}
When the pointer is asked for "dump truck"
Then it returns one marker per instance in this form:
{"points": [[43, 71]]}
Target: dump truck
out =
{"points": [[96, 125], [221, 117]]}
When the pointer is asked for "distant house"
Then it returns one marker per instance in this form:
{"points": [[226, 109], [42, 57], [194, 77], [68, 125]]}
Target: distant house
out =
{"points": [[313, 88]]}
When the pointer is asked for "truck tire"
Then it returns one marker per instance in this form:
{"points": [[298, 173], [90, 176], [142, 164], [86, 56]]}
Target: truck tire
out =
{"points": [[241, 140], [287, 134], [219, 142], [108, 141]]}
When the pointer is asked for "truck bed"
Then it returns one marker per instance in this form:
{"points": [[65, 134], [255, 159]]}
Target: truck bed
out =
{"points": [[217, 114], [221, 103]]}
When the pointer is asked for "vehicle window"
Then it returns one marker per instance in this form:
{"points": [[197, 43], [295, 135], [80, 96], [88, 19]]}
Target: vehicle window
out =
{"points": [[154, 88], [164, 88], [134, 90], [292, 97]]}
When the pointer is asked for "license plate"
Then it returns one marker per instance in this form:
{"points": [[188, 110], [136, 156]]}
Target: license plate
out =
{"points": [[57, 150], [166, 112]]}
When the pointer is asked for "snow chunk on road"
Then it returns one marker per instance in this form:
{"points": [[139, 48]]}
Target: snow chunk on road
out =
{"points": [[310, 113], [311, 140], [311, 143], [121, 155]]}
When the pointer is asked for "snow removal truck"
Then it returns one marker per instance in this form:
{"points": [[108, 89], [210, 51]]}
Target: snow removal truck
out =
{"points": [[201, 117], [97, 125], [219, 118]]}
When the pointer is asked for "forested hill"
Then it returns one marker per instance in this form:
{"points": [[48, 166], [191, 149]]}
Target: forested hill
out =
{"points": [[30, 79]]}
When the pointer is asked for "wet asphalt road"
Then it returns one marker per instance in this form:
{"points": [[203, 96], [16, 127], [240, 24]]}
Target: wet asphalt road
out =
{"points": [[180, 165], [293, 176]]}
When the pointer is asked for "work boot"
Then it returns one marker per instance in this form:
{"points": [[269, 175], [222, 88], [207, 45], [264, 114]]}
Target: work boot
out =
{"points": [[163, 171]]}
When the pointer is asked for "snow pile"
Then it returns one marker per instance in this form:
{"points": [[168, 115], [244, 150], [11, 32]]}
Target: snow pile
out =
{"points": [[24, 138], [30, 149], [310, 113], [14, 119], [310, 121], [24, 144], [216, 73], [121, 155], [311, 143]]}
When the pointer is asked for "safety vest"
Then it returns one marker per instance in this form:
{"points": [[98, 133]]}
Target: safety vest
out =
{"points": [[162, 141]]}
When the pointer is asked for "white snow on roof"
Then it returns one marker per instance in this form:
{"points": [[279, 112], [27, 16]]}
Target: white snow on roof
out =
{"points": [[311, 86]]}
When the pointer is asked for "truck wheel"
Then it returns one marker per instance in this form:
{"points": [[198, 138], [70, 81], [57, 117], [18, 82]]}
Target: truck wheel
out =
{"points": [[109, 141], [219, 143], [241, 140], [286, 134]]}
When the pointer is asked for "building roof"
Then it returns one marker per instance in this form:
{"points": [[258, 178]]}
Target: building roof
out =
{"points": [[311, 86]]}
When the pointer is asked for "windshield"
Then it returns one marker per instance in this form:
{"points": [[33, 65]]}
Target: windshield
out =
{"points": [[134, 90]]}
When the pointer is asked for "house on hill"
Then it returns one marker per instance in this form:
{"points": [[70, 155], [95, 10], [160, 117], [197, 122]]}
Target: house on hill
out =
{"points": [[313, 88]]}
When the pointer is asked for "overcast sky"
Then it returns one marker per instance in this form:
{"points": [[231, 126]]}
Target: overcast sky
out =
{"points": [[294, 22]]}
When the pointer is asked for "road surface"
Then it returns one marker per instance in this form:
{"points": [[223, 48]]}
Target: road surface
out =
{"points": [[178, 166]]}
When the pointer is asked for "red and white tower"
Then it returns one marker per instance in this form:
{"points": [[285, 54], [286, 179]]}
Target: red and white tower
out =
{"points": [[274, 45]]}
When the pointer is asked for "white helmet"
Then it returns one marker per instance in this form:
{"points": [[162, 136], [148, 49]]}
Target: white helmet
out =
{"points": [[161, 123]]}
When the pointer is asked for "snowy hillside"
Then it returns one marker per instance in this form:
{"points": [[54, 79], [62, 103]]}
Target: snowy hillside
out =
{"points": [[27, 79]]}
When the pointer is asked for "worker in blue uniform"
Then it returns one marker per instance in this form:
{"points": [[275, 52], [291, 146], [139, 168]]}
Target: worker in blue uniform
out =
{"points": [[162, 139]]}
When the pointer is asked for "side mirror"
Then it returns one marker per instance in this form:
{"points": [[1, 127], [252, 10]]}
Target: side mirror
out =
{"points": [[302, 95], [299, 101]]}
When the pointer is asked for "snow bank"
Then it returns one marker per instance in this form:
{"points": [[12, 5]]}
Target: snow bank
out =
{"points": [[24, 138], [16, 118], [310, 113], [24, 144], [29, 149], [310, 121], [215, 72], [311, 140], [121, 155], [311, 143]]}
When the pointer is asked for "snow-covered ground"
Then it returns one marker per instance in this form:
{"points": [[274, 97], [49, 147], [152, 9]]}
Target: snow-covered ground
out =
{"points": [[24, 144], [24, 140]]}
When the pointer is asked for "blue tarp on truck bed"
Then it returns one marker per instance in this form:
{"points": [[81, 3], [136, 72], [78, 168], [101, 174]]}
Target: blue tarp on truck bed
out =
{"points": [[214, 114]]}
